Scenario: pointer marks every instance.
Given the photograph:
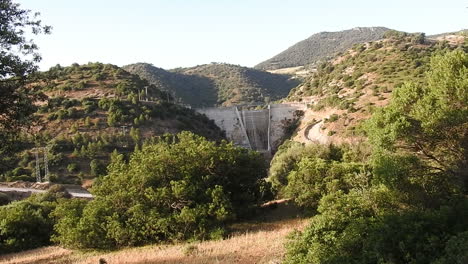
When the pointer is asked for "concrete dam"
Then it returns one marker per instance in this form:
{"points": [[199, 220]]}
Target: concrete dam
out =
{"points": [[253, 128]]}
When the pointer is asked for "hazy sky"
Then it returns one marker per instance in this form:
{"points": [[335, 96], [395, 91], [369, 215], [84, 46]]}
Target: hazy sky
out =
{"points": [[180, 33]]}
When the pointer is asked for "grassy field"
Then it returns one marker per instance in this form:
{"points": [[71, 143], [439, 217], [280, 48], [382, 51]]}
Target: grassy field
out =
{"points": [[257, 241]]}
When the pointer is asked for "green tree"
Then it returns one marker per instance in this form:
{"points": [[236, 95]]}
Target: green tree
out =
{"points": [[370, 227], [97, 168], [19, 57], [87, 122], [135, 134], [26, 224], [429, 122], [176, 187], [414, 208]]}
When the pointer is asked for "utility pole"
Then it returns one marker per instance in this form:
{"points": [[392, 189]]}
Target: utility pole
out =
{"points": [[269, 128], [38, 169], [124, 132], [146, 93], [46, 164]]}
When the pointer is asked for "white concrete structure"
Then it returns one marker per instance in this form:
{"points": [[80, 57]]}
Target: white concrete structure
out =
{"points": [[258, 129]]}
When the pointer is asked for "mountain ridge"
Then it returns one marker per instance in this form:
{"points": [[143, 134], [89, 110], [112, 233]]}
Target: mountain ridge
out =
{"points": [[321, 46], [216, 84]]}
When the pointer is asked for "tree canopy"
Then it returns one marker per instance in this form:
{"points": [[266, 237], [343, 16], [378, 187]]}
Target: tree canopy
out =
{"points": [[430, 122], [18, 57], [412, 206], [174, 188]]}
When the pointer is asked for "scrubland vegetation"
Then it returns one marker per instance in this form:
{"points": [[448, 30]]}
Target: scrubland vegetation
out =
{"points": [[402, 198], [81, 126], [175, 188]]}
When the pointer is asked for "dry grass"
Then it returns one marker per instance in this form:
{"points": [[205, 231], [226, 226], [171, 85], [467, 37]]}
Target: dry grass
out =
{"points": [[40, 255], [260, 241]]}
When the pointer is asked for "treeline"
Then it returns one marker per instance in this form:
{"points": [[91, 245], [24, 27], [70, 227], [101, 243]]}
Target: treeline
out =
{"points": [[172, 188], [402, 197]]}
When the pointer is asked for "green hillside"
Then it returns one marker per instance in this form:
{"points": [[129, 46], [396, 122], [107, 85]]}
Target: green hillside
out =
{"points": [[321, 46], [216, 83], [90, 111], [353, 84], [190, 89]]}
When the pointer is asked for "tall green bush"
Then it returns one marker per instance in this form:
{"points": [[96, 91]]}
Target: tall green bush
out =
{"points": [[175, 187]]}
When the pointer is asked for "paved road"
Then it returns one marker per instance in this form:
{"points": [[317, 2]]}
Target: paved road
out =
{"points": [[75, 193]]}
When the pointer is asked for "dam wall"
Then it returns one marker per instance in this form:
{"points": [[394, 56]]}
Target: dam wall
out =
{"points": [[257, 129]]}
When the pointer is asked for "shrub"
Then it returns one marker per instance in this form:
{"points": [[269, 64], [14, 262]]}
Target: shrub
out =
{"points": [[4, 199], [316, 177], [173, 188], [365, 227], [97, 168], [72, 167], [26, 224], [289, 156], [332, 118]]}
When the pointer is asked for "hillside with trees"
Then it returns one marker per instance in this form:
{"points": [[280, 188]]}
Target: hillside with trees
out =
{"points": [[348, 89], [388, 183], [87, 112], [217, 84], [321, 47], [399, 197]]}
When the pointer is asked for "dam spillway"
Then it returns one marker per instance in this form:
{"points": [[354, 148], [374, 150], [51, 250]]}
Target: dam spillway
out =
{"points": [[253, 128]]}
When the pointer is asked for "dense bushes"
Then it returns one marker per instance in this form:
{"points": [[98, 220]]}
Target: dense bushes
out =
{"points": [[316, 177], [411, 207], [26, 224], [174, 188], [306, 173], [370, 227]]}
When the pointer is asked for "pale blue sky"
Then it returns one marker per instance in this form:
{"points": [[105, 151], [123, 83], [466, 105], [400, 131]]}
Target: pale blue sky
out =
{"points": [[181, 33]]}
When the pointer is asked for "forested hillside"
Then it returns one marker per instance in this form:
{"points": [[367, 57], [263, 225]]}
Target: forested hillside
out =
{"points": [[400, 196], [321, 46], [217, 83], [348, 89], [88, 111]]}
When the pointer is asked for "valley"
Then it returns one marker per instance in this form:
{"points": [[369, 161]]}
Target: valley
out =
{"points": [[347, 147]]}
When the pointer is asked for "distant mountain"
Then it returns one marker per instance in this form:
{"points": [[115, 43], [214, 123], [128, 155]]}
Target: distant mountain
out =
{"points": [[216, 83], [321, 46], [463, 32]]}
